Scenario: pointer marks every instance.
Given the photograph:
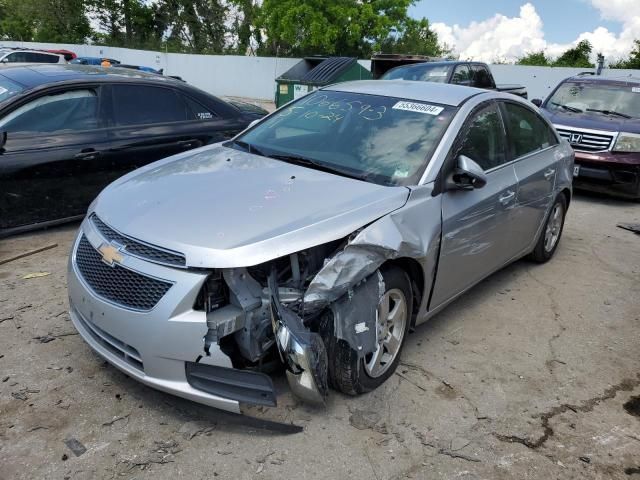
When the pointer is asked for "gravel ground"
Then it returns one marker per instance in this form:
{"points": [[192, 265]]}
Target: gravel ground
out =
{"points": [[532, 374]]}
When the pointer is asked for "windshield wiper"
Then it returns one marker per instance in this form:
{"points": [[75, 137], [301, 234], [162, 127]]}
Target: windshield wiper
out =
{"points": [[609, 112], [567, 107], [308, 162], [248, 147]]}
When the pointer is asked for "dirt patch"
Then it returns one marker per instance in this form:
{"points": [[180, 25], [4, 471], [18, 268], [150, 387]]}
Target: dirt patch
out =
{"points": [[633, 406]]}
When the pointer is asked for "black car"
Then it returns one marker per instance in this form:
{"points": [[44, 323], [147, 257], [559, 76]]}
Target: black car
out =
{"points": [[470, 74], [67, 131]]}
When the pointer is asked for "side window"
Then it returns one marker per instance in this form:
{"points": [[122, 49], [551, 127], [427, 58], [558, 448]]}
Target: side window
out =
{"points": [[481, 77], [143, 105], [17, 57], [197, 111], [461, 75], [527, 131], [65, 111], [44, 58], [483, 139]]}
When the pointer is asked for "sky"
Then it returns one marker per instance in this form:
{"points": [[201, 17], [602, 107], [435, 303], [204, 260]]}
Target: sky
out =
{"points": [[493, 30]]}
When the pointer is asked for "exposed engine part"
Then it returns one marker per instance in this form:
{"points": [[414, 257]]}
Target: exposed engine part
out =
{"points": [[214, 293], [246, 290]]}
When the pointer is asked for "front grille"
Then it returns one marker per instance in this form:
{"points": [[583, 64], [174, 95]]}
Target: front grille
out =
{"points": [[137, 248], [586, 141], [116, 283], [112, 344]]}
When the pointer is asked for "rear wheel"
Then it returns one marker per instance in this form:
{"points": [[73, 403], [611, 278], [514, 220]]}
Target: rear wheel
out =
{"points": [[550, 237], [352, 374]]}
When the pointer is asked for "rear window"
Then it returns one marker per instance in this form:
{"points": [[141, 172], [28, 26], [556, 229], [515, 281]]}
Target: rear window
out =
{"points": [[8, 88], [424, 72], [143, 105]]}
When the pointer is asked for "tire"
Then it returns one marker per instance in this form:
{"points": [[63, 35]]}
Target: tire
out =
{"points": [[351, 374], [546, 246]]}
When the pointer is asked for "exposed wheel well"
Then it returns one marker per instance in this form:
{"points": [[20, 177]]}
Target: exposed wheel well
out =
{"points": [[416, 276]]}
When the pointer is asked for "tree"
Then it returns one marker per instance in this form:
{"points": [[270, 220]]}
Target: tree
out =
{"points": [[577, 56], [536, 59], [413, 37], [329, 27], [243, 35], [61, 21], [633, 62]]}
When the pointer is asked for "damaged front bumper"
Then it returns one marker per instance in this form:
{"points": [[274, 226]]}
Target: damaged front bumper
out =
{"points": [[163, 347], [302, 351]]}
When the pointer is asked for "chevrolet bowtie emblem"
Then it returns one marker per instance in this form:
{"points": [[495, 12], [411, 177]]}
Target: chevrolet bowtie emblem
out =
{"points": [[110, 254]]}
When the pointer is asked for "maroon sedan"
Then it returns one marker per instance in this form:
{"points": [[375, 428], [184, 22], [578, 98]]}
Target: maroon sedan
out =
{"points": [[600, 117]]}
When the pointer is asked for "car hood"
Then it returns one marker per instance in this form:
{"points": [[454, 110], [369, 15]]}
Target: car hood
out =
{"points": [[593, 121], [223, 208]]}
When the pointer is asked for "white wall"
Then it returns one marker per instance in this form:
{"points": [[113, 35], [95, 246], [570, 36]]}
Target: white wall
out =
{"points": [[254, 77]]}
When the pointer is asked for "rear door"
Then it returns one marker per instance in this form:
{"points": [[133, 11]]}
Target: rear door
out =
{"points": [[476, 225], [151, 122], [52, 156], [532, 146]]}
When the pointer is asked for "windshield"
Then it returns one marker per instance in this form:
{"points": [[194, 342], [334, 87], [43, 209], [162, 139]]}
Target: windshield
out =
{"points": [[8, 88], [588, 97], [423, 72], [384, 140]]}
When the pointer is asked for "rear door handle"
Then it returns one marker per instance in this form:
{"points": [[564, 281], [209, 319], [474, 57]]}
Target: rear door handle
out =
{"points": [[549, 173], [507, 197], [87, 154]]}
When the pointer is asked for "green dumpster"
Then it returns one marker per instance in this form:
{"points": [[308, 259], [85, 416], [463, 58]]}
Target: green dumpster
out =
{"points": [[314, 72]]}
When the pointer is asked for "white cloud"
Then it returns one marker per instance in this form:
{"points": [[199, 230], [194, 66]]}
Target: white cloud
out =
{"points": [[507, 38]]}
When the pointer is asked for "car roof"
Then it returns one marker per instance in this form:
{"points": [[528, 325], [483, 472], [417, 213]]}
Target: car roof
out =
{"points": [[443, 93], [611, 80], [31, 76]]}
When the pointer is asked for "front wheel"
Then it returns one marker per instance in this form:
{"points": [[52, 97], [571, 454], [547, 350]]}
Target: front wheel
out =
{"points": [[550, 237], [353, 374]]}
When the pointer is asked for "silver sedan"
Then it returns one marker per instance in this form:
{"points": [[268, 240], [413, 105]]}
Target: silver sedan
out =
{"points": [[315, 240]]}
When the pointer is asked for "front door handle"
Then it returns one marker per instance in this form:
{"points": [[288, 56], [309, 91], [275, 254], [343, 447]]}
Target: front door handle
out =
{"points": [[549, 173], [507, 197], [87, 154]]}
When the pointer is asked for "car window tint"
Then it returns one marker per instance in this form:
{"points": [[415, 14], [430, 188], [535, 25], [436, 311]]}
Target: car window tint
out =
{"points": [[44, 58], [67, 111], [141, 105], [17, 57], [481, 77], [461, 75], [527, 131], [483, 140], [197, 111]]}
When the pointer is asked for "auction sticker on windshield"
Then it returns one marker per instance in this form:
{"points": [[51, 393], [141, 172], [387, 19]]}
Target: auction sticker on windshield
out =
{"points": [[418, 107]]}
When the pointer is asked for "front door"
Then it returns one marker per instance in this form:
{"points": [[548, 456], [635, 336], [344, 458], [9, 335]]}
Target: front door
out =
{"points": [[475, 223], [49, 163]]}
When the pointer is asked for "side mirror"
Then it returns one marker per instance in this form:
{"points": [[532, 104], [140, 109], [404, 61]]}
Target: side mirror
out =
{"points": [[537, 102], [5, 60], [467, 175]]}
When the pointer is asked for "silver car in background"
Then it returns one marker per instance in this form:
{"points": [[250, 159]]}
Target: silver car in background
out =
{"points": [[315, 239]]}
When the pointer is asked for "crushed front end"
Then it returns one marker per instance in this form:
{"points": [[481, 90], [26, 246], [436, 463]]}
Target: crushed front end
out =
{"points": [[214, 335]]}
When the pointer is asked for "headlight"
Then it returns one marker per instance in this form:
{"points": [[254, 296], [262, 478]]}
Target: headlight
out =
{"points": [[627, 142]]}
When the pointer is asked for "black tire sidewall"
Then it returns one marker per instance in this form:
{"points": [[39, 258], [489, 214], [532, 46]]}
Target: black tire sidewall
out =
{"points": [[540, 254]]}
